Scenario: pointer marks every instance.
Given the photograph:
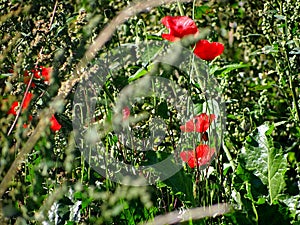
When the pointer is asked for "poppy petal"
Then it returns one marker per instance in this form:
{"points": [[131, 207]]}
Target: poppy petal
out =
{"points": [[12, 110], [188, 157], [126, 113], [27, 100], [169, 37], [189, 126], [204, 154], [179, 26], [54, 124], [208, 51], [46, 73], [199, 123]]}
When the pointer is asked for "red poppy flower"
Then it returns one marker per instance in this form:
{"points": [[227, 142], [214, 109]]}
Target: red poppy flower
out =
{"points": [[198, 157], [44, 72], [208, 51], [126, 113], [27, 78], [13, 109], [39, 72], [54, 124], [27, 100], [199, 123], [179, 26]]}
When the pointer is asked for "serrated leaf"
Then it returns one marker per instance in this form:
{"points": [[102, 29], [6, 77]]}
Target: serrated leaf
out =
{"points": [[267, 162], [293, 203]]}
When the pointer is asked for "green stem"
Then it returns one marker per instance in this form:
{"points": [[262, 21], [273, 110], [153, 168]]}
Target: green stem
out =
{"points": [[286, 34], [295, 102], [193, 13], [108, 93], [228, 155], [180, 8]]}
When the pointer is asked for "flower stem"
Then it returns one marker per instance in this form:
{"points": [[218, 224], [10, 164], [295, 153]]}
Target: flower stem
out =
{"points": [[295, 102], [180, 8], [228, 155]]}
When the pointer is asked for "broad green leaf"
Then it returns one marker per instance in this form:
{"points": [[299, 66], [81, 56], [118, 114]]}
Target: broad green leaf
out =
{"points": [[293, 203], [200, 10], [265, 160]]}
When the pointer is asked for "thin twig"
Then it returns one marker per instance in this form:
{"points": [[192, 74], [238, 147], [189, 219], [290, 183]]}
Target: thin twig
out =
{"points": [[53, 14], [21, 105]]}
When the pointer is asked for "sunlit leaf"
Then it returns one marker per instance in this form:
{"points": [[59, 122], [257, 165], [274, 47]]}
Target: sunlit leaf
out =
{"points": [[265, 160], [226, 69]]}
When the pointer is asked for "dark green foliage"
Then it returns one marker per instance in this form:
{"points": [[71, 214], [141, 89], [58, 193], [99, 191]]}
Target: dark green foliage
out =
{"points": [[257, 168]]}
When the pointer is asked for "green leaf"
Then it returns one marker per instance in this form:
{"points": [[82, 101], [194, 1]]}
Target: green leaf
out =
{"points": [[262, 87], [141, 72], [148, 55], [267, 162], [293, 203], [226, 69], [181, 183], [200, 10], [5, 75]]}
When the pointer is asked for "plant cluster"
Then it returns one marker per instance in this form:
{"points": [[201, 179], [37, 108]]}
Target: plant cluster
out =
{"points": [[251, 53]]}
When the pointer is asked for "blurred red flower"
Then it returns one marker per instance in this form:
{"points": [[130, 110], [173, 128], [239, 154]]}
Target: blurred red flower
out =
{"points": [[199, 123], [208, 51], [54, 124], [38, 73], [198, 157], [179, 26], [27, 100], [44, 72], [13, 108], [125, 112]]}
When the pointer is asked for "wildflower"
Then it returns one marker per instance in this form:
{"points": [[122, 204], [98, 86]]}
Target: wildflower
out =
{"points": [[44, 72], [27, 100], [126, 113], [179, 26], [54, 124], [198, 157], [14, 106], [199, 123], [38, 73], [208, 51]]}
